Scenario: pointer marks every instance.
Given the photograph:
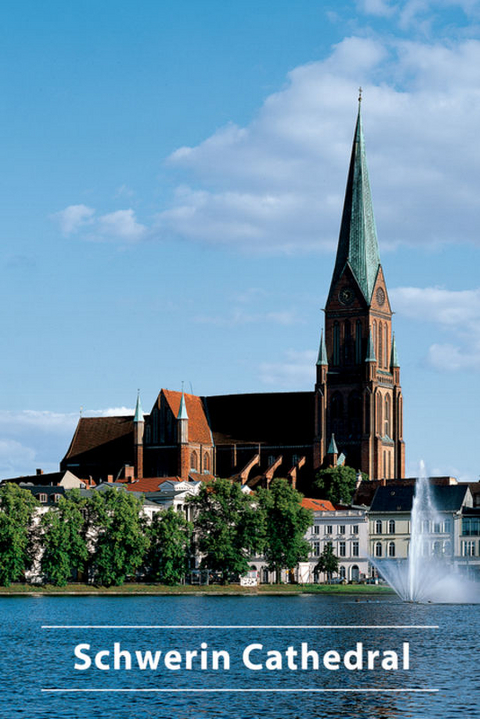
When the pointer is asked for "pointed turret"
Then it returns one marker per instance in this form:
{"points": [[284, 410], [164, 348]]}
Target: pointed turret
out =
{"points": [[357, 244], [394, 355], [370, 349], [322, 353], [332, 447], [138, 410], [182, 412], [138, 431]]}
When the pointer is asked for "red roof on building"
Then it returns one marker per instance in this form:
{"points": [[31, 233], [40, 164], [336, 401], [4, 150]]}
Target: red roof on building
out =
{"points": [[149, 484], [198, 429], [92, 432], [318, 505]]}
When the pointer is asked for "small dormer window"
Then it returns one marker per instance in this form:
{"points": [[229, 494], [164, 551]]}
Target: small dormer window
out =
{"points": [[42, 497], [56, 497]]}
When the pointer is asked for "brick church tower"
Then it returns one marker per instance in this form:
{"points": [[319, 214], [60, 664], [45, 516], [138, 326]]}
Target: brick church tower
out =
{"points": [[358, 398]]}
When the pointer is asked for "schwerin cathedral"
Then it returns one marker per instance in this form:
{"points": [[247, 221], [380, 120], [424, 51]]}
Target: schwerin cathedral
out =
{"points": [[353, 415]]}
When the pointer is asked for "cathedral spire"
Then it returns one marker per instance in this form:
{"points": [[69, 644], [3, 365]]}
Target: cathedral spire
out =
{"points": [[322, 353], [357, 244]]}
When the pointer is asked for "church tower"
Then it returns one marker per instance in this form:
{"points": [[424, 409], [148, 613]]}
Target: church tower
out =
{"points": [[358, 397]]}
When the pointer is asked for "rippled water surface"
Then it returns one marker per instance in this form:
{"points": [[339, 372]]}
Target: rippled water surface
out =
{"points": [[32, 658]]}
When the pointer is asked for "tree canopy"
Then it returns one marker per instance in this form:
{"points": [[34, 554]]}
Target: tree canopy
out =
{"points": [[286, 522], [229, 528], [121, 542], [63, 540], [336, 484], [328, 561], [170, 540], [17, 507]]}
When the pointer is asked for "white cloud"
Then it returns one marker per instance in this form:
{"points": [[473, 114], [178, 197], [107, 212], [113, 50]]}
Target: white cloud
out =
{"points": [[240, 317], [382, 8], [278, 183], [14, 456], [121, 225], [456, 313], [73, 218], [297, 371]]}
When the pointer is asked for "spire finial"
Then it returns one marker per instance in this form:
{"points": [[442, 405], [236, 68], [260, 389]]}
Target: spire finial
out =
{"points": [[359, 94]]}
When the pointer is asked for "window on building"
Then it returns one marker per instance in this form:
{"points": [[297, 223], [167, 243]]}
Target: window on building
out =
{"points": [[378, 526], [342, 573], [194, 461], [447, 548], [342, 551], [42, 498], [206, 463], [354, 528], [358, 342], [336, 343], [316, 549], [425, 525], [341, 529], [328, 529], [391, 526], [391, 549], [378, 549], [468, 549], [387, 415], [56, 497], [437, 527], [437, 548], [380, 345], [316, 529], [295, 459], [271, 459], [447, 526], [355, 549]]}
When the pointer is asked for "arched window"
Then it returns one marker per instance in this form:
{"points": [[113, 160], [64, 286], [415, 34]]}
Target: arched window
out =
{"points": [[336, 343], [391, 526], [447, 547], [391, 549], [378, 526], [194, 461], [380, 345], [387, 415], [400, 417], [206, 462], [378, 549], [386, 363], [375, 343], [336, 408], [354, 414], [347, 347], [358, 342], [379, 414]]}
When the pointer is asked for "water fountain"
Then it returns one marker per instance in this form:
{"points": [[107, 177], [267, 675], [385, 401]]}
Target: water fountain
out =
{"points": [[425, 576]]}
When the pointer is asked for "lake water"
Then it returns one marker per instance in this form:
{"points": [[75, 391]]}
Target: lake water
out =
{"points": [[32, 658]]}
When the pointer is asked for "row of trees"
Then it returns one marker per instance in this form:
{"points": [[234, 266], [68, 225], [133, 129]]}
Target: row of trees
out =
{"points": [[106, 537]]}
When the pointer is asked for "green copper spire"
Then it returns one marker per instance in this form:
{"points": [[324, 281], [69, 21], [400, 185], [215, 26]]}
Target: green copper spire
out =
{"points": [[182, 412], [322, 353], [370, 349], [332, 447], [394, 355], [357, 244], [138, 410]]}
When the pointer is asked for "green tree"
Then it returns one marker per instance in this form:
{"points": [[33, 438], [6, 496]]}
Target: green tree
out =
{"points": [[286, 522], [327, 562], [336, 484], [17, 508], [229, 528], [63, 540], [120, 539], [170, 538]]}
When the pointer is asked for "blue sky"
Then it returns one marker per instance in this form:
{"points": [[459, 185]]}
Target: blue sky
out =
{"points": [[172, 185]]}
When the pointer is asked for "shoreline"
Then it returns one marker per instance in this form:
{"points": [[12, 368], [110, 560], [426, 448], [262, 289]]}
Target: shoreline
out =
{"points": [[22, 590]]}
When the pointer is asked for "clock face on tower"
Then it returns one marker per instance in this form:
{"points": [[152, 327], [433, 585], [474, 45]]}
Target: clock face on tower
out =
{"points": [[380, 296], [346, 295]]}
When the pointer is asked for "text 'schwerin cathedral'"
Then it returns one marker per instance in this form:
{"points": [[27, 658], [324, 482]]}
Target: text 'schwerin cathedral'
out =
{"points": [[354, 414]]}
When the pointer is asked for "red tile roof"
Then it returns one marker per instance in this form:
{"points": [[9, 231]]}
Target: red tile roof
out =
{"points": [[318, 505], [149, 484], [92, 432], [198, 429]]}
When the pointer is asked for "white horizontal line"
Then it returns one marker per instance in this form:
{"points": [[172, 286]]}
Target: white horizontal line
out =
{"points": [[211, 691], [240, 626]]}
